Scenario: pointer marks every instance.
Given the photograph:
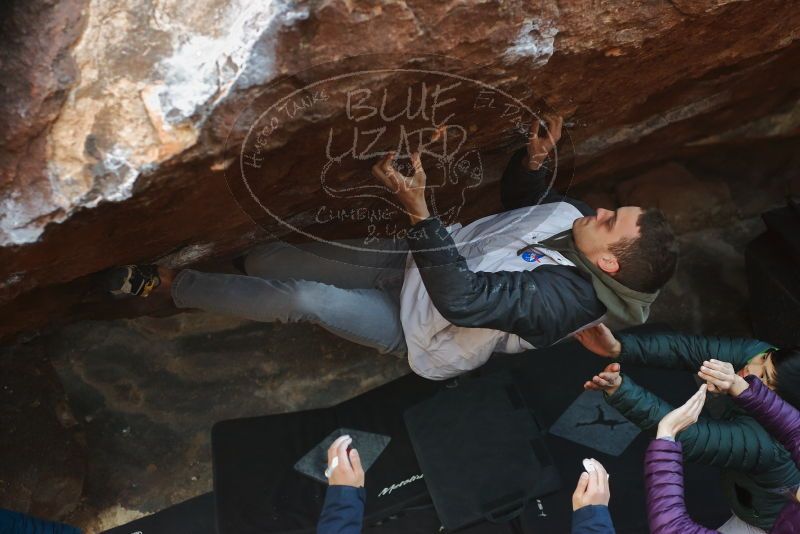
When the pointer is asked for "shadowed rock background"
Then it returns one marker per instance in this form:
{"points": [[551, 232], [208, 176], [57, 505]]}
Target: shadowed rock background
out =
{"points": [[113, 150]]}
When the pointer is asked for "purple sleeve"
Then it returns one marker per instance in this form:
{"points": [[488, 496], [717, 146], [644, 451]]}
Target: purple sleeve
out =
{"points": [[780, 418], [663, 475], [788, 521]]}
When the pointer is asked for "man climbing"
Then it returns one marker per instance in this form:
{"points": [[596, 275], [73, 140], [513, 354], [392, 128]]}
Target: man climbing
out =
{"points": [[509, 282]]}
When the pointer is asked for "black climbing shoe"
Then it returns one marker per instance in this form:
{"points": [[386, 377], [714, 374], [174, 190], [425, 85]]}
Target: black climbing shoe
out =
{"points": [[138, 280]]}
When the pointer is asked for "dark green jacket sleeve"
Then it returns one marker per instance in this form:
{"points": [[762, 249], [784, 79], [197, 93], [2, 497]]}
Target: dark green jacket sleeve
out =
{"points": [[679, 351], [739, 443]]}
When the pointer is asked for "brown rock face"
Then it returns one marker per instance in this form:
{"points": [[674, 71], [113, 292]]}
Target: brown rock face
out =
{"points": [[689, 203], [128, 124]]}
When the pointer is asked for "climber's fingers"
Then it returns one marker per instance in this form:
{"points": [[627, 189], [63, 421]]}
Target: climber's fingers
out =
{"points": [[419, 172], [554, 124], [535, 125], [385, 172]]}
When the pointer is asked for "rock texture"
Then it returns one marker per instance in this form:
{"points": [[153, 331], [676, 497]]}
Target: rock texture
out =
{"points": [[689, 203], [121, 118], [43, 455], [147, 392]]}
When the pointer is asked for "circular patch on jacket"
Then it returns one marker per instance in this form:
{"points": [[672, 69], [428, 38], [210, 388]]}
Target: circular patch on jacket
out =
{"points": [[531, 256]]}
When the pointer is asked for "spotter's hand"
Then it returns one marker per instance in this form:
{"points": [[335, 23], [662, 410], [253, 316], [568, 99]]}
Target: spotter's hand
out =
{"points": [[593, 488], [609, 380], [346, 470], [600, 340], [721, 378], [684, 416]]}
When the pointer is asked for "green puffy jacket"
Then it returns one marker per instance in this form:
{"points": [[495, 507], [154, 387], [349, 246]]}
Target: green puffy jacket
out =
{"points": [[755, 467]]}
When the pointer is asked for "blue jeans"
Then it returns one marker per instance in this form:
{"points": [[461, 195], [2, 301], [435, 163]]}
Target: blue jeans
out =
{"points": [[354, 294]]}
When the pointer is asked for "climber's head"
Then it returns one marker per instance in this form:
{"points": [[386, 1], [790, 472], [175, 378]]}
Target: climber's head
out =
{"points": [[635, 246]]}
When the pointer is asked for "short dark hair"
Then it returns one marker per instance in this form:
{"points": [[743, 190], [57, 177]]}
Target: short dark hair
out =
{"points": [[787, 374], [647, 262]]}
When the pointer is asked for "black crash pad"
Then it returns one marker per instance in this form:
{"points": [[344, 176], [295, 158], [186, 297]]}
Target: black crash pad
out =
{"points": [[257, 489]]}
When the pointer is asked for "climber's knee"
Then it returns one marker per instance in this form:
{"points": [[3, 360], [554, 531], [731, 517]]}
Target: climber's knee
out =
{"points": [[258, 260]]}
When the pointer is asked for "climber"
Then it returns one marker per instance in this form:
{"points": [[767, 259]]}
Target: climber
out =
{"points": [[509, 282]]}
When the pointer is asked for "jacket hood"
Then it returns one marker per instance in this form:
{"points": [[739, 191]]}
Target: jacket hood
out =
{"points": [[626, 307]]}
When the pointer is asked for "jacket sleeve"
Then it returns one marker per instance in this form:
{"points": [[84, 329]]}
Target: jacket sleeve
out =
{"points": [[592, 519], [343, 512], [663, 476], [780, 418], [739, 443], [521, 186], [687, 352], [788, 519], [18, 523], [544, 304]]}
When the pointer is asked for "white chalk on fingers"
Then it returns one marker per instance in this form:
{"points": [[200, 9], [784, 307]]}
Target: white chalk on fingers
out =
{"points": [[588, 465], [334, 464]]}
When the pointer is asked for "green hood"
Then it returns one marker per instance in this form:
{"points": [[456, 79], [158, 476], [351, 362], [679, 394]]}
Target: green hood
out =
{"points": [[625, 306]]}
